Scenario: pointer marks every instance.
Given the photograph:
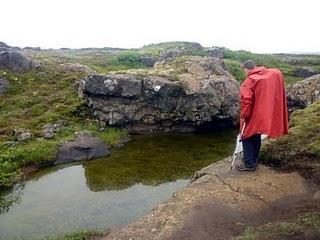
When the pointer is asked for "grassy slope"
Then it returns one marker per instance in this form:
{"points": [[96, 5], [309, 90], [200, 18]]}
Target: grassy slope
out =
{"points": [[300, 149], [43, 95], [234, 59], [306, 226]]}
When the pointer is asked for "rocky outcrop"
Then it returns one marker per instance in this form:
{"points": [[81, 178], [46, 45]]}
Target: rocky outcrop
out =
{"points": [[304, 93], [181, 95], [14, 59], [84, 147], [215, 52], [148, 61], [304, 72]]}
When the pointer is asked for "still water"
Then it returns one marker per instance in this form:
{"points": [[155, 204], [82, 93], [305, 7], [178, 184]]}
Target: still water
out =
{"points": [[108, 192]]}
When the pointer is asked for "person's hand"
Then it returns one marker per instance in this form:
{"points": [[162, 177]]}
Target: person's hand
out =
{"points": [[242, 121], [242, 125]]}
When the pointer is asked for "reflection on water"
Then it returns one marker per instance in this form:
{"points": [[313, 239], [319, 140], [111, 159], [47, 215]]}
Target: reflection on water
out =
{"points": [[8, 198], [152, 160], [108, 192]]}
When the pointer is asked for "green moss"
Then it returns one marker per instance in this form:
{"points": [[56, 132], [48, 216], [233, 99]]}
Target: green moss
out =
{"points": [[236, 69], [304, 226], [292, 79], [80, 235], [302, 144], [170, 70]]}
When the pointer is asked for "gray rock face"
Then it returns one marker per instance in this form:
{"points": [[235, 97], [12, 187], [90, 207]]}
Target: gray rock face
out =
{"points": [[14, 59], [84, 147], [4, 85], [304, 93], [4, 47], [202, 94], [215, 52], [148, 61]]}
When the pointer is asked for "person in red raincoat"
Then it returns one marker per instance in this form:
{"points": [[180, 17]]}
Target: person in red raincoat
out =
{"points": [[263, 110]]}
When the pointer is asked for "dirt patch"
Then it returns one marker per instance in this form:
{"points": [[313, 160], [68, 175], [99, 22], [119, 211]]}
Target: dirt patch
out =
{"points": [[216, 221]]}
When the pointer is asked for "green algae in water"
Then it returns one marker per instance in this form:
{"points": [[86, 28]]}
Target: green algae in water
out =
{"points": [[152, 160], [112, 191]]}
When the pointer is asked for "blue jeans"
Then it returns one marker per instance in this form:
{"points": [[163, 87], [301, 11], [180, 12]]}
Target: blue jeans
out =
{"points": [[251, 149]]}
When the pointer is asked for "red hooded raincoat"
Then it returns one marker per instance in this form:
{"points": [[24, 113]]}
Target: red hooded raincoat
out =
{"points": [[263, 103]]}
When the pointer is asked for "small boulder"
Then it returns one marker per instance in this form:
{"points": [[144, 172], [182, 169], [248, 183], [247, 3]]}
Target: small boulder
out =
{"points": [[84, 147], [4, 85], [22, 134], [14, 59], [50, 129], [304, 72]]}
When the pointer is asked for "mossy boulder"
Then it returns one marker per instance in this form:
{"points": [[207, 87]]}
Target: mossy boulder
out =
{"points": [[304, 93]]}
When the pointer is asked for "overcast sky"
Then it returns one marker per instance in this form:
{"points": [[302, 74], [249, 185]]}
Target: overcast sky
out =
{"points": [[258, 26]]}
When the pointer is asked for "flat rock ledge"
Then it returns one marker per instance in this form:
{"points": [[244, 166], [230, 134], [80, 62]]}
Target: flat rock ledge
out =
{"points": [[219, 203]]}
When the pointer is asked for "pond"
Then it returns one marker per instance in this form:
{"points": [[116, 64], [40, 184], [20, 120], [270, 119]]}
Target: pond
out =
{"points": [[108, 192]]}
